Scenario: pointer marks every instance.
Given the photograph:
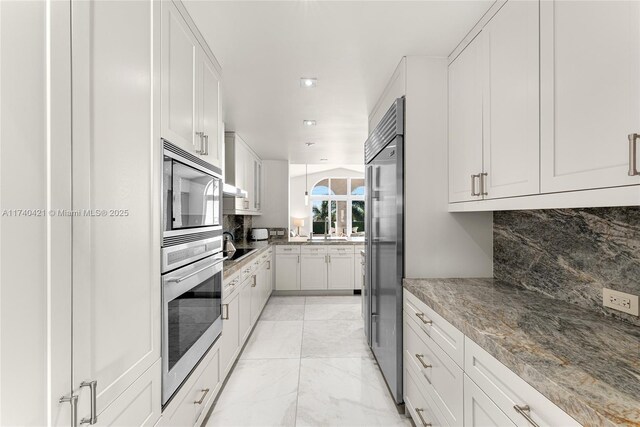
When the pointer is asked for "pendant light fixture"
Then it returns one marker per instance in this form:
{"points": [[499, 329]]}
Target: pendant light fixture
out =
{"points": [[306, 185]]}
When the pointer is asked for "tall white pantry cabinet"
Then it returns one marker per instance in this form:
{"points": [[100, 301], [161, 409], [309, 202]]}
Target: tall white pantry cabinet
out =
{"points": [[80, 135]]}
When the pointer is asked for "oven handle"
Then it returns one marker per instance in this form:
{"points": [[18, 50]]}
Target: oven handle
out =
{"points": [[193, 273]]}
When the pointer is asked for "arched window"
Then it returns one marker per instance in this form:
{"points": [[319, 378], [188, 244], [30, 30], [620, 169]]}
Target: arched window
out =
{"points": [[337, 207]]}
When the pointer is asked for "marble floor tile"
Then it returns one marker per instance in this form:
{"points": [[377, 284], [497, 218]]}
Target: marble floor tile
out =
{"points": [[332, 312], [342, 299], [282, 312], [287, 300], [344, 392], [334, 338], [274, 340], [258, 393]]}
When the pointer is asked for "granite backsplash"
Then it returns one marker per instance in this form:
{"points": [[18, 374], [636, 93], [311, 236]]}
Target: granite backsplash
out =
{"points": [[238, 225], [570, 254]]}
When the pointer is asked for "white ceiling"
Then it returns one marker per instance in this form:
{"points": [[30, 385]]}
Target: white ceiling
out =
{"points": [[352, 47]]}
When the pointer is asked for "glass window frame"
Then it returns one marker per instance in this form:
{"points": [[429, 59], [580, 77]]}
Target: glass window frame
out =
{"points": [[349, 198]]}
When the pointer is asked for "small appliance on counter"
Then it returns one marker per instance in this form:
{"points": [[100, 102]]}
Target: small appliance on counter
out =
{"points": [[259, 234]]}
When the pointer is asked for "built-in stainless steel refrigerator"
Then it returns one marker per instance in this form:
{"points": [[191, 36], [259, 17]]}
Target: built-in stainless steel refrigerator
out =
{"points": [[384, 158]]}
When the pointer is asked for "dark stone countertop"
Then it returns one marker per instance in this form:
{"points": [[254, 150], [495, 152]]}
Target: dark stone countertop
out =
{"points": [[586, 363]]}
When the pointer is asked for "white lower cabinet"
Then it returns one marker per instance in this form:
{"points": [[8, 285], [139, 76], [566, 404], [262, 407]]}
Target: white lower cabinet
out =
{"points": [[313, 268], [419, 406], [187, 406], [318, 267], [480, 392], [479, 410], [287, 268], [230, 339], [244, 310], [340, 268], [139, 405]]}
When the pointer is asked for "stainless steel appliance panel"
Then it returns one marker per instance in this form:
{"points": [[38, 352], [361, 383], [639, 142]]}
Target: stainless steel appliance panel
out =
{"points": [[191, 319], [384, 151]]}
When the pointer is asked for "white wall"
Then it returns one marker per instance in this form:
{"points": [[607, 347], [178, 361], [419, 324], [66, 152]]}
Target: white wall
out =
{"points": [[437, 243], [297, 188], [275, 195]]}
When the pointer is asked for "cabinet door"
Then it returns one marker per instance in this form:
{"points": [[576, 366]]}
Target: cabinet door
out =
{"points": [[287, 272], [249, 179], [479, 410], [313, 271], [590, 92], [340, 272], [511, 101], [230, 332], [116, 269], [244, 310], [256, 299], [178, 80], [465, 122], [209, 110], [257, 170]]}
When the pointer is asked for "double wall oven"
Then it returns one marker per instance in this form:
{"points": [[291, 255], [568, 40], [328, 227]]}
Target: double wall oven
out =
{"points": [[191, 263]]}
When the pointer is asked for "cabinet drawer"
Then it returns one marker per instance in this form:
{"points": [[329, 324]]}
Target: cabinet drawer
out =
{"points": [[182, 410], [313, 249], [231, 285], [447, 336], [206, 386], [508, 390], [438, 375], [344, 249], [288, 249], [422, 411], [479, 410]]}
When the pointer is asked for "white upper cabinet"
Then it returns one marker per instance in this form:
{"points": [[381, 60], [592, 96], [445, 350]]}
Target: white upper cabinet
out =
{"points": [[590, 81], [178, 104], [190, 104], [243, 169], [465, 123], [210, 118], [511, 101]]}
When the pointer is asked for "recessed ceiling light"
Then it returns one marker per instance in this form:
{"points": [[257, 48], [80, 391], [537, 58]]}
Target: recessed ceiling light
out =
{"points": [[308, 82], [324, 160], [309, 122], [309, 144]]}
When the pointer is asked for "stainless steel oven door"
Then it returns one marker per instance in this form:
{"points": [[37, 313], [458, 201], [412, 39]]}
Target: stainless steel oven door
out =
{"points": [[191, 319]]}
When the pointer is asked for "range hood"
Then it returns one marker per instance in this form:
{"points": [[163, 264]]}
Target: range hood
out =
{"points": [[231, 191]]}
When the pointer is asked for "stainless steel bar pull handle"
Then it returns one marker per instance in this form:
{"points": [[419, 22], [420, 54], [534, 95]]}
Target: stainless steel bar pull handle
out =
{"points": [[200, 135], [420, 358], [424, 423], [93, 416], [633, 158], [73, 401], [204, 394], [253, 285], [424, 319], [206, 145], [473, 185], [483, 184], [525, 411], [225, 316]]}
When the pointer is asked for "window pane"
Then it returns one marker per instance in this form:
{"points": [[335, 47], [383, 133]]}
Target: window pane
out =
{"points": [[320, 212], [339, 218], [321, 188], [357, 187], [339, 186], [357, 217]]}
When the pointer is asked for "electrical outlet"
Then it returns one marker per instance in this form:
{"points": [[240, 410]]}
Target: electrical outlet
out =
{"points": [[272, 232], [620, 301], [280, 233]]}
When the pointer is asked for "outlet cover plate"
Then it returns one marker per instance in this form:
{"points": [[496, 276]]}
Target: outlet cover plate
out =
{"points": [[620, 301]]}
